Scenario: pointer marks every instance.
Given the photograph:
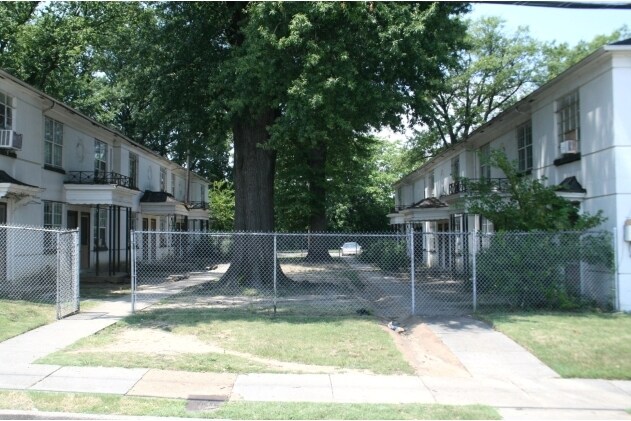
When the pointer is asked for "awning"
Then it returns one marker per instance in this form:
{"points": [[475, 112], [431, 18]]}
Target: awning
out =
{"points": [[161, 204], [12, 188], [100, 194], [428, 209]]}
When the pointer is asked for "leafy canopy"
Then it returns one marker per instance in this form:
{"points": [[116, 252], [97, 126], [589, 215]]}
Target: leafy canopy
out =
{"points": [[525, 204]]}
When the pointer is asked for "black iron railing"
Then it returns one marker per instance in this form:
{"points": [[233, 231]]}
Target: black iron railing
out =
{"points": [[464, 185], [99, 177], [197, 205]]}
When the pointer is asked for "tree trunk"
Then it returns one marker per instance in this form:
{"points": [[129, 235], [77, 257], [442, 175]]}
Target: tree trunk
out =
{"points": [[252, 263], [318, 245]]}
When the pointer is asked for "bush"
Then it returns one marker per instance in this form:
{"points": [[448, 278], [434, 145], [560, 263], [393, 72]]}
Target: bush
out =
{"points": [[388, 255], [534, 270]]}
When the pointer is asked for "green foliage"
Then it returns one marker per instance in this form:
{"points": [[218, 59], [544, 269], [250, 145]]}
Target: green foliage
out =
{"points": [[494, 70], [390, 255], [221, 197], [523, 203], [559, 57], [535, 270]]}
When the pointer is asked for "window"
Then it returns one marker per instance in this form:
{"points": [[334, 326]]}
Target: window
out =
{"points": [[173, 184], [100, 158], [430, 185], [524, 147], [568, 118], [455, 168], [485, 165], [163, 179], [133, 169], [6, 112], [100, 229], [163, 228], [53, 142], [52, 219]]}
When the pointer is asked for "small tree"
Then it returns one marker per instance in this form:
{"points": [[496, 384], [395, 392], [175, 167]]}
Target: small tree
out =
{"points": [[522, 203], [538, 269]]}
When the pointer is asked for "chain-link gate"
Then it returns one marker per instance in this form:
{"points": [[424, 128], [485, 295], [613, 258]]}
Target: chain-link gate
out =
{"points": [[40, 266], [390, 275]]}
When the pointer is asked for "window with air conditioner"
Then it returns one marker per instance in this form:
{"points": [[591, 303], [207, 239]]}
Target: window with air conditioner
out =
{"points": [[568, 123], [8, 138]]}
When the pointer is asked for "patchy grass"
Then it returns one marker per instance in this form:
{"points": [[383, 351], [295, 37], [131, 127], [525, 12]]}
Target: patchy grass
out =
{"points": [[17, 317], [138, 406], [583, 345], [103, 290], [344, 342]]}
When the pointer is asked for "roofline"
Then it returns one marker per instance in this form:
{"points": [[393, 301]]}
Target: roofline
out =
{"points": [[116, 133], [524, 101]]}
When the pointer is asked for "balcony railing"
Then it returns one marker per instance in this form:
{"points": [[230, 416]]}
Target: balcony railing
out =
{"points": [[463, 185], [99, 177], [197, 205]]}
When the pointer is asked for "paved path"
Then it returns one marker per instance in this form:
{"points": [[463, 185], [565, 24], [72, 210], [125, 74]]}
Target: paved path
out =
{"points": [[501, 374]]}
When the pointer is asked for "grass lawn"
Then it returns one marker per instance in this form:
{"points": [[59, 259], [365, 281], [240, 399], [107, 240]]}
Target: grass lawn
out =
{"points": [[352, 342], [18, 316], [137, 406], [584, 345]]}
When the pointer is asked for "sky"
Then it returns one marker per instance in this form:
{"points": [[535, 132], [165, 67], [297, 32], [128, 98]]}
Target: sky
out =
{"points": [[557, 24], [546, 24]]}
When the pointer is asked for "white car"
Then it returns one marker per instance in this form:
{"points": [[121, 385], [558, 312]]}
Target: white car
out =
{"points": [[350, 248]]}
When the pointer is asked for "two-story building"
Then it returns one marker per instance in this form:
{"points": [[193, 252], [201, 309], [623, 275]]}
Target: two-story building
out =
{"points": [[62, 169], [575, 131]]}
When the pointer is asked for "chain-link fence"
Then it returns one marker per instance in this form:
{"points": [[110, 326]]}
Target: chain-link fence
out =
{"points": [[390, 275], [40, 266]]}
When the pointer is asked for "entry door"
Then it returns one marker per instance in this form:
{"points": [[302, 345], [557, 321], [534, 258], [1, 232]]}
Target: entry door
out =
{"points": [[84, 233], [154, 227], [3, 242], [145, 239], [443, 244]]}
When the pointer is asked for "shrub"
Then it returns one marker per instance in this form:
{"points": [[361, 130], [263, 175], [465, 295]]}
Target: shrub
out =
{"points": [[388, 255]]}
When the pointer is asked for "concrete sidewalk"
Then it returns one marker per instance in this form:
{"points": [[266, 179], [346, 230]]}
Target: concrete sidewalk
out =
{"points": [[502, 375]]}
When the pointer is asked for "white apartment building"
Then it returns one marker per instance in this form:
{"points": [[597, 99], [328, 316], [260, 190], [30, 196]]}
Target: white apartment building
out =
{"points": [[61, 169], [575, 131]]}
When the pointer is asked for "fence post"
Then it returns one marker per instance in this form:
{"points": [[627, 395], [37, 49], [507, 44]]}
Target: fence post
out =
{"points": [[57, 275], [616, 278], [412, 270], [77, 269], [133, 271], [275, 262], [474, 278]]}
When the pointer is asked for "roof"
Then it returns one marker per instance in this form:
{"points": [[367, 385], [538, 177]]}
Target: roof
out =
{"points": [[522, 104], [429, 203], [6, 178], [623, 42], [116, 133], [156, 197], [570, 185]]}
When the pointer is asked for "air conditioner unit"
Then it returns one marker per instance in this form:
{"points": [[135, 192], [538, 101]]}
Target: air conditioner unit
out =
{"points": [[569, 146], [10, 140]]}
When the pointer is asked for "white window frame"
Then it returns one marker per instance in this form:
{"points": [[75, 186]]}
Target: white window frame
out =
{"points": [[53, 142], [53, 218], [455, 168], [6, 111], [133, 169], [431, 185], [524, 147], [173, 184], [100, 157], [485, 166], [100, 224], [163, 179], [568, 118]]}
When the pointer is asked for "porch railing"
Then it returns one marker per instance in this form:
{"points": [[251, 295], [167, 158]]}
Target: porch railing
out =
{"points": [[99, 177], [197, 205], [464, 185]]}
